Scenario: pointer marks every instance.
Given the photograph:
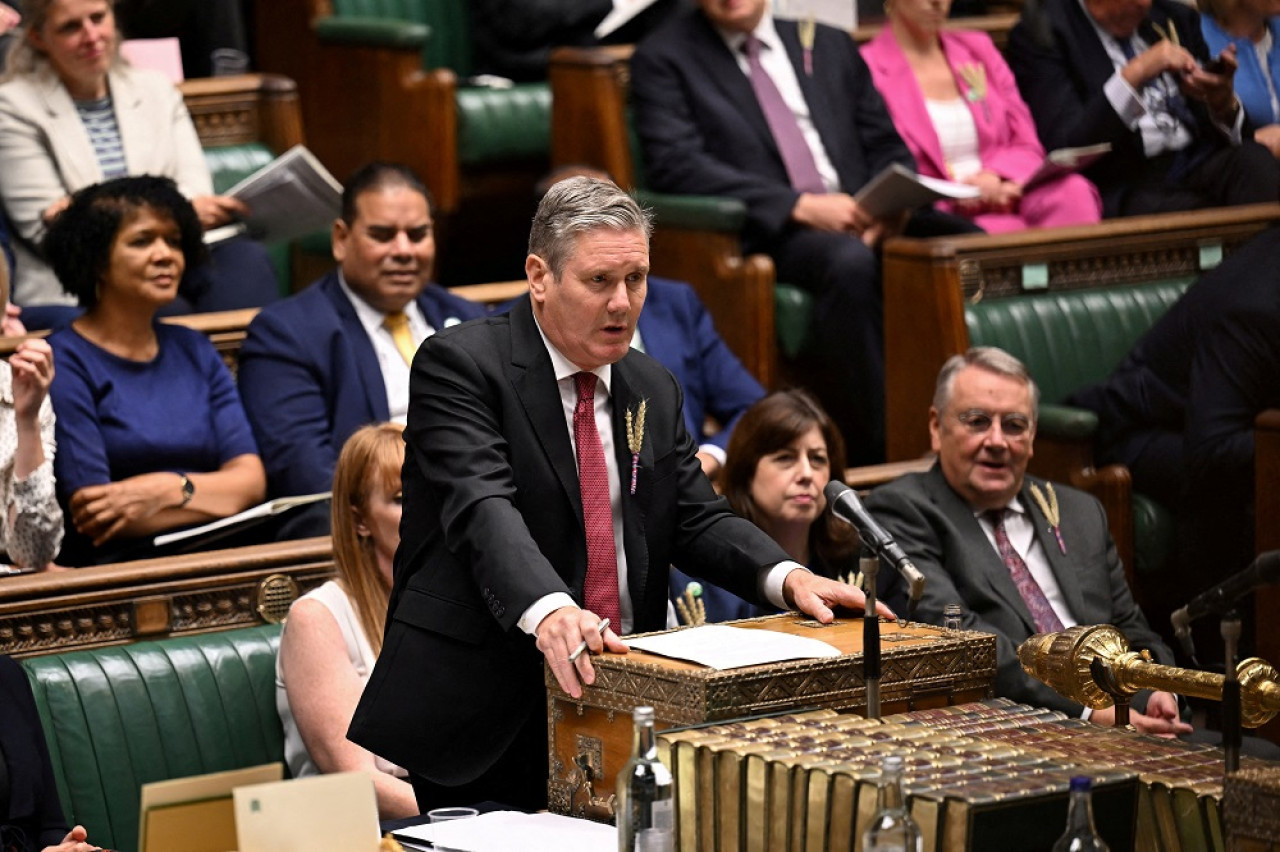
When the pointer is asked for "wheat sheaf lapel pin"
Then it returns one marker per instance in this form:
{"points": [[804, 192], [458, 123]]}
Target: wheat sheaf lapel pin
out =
{"points": [[1049, 506], [635, 438]]}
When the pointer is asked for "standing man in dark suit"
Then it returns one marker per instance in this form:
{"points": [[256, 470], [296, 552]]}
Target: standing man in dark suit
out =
{"points": [[549, 480], [320, 364], [1137, 74], [729, 102], [1021, 555]]}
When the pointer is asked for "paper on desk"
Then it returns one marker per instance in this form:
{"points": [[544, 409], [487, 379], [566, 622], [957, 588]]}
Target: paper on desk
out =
{"points": [[719, 646], [493, 832], [623, 11]]}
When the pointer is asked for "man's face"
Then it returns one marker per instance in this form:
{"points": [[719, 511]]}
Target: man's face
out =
{"points": [[589, 312], [740, 16], [984, 437], [1119, 18], [387, 253]]}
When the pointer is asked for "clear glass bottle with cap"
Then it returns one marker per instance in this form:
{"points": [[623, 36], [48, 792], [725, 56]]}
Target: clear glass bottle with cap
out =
{"points": [[1081, 835], [646, 801], [892, 829], [952, 613]]}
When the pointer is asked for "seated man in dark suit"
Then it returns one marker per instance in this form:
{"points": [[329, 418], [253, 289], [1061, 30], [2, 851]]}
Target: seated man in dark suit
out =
{"points": [[1021, 555], [320, 364], [537, 500], [1179, 410], [728, 102], [1137, 74]]}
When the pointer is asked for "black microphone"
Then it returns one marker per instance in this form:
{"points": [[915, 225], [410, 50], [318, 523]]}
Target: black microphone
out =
{"points": [[846, 506], [1264, 571]]}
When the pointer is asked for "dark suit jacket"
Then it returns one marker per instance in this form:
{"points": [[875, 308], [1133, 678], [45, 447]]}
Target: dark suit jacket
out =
{"points": [[1200, 376], [678, 332], [33, 801], [309, 377], [493, 522], [938, 531], [1061, 66], [704, 133]]}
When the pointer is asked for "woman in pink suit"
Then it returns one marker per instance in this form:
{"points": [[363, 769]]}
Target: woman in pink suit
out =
{"points": [[956, 105]]}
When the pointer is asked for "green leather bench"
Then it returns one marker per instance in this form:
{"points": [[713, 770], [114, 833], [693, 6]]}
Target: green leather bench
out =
{"points": [[119, 717]]}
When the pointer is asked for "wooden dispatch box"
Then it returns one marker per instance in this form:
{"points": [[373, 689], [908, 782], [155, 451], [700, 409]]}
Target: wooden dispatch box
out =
{"points": [[589, 739]]}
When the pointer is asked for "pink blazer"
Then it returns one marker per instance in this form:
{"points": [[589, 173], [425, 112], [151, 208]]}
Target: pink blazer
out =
{"points": [[1007, 140]]}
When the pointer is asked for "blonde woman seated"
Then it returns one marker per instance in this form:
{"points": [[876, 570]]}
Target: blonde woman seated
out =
{"points": [[956, 105], [31, 529], [333, 634]]}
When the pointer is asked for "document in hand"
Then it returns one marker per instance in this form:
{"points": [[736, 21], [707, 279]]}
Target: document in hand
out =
{"points": [[224, 526], [1063, 161], [623, 12], [292, 195], [897, 188]]}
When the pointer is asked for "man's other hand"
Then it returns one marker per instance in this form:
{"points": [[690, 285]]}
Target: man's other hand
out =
{"points": [[818, 596]]}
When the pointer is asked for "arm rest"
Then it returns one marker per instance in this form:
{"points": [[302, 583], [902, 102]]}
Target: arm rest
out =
{"points": [[700, 212], [372, 32]]}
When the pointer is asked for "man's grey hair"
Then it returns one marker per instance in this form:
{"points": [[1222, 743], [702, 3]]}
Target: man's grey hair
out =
{"points": [[988, 358], [577, 205]]}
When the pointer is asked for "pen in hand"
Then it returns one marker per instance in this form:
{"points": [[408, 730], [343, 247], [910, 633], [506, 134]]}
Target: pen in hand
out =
{"points": [[578, 651]]}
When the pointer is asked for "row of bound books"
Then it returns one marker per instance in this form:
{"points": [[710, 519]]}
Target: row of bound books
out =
{"points": [[992, 775]]}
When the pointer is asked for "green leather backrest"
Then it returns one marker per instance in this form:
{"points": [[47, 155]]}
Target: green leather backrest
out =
{"points": [[117, 718], [503, 124], [230, 164], [450, 22], [1074, 338]]}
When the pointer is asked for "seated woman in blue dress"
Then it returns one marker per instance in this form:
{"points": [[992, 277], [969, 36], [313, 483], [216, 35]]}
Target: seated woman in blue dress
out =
{"points": [[31, 817], [782, 454], [151, 434]]}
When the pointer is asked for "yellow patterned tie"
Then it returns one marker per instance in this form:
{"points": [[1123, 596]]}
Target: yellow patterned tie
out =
{"points": [[397, 322]]}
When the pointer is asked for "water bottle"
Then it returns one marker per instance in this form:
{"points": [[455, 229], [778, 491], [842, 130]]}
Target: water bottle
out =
{"points": [[951, 616], [892, 829], [645, 804], [1080, 835]]}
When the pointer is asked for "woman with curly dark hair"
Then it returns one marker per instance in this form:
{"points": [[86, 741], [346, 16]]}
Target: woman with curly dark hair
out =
{"points": [[151, 434]]}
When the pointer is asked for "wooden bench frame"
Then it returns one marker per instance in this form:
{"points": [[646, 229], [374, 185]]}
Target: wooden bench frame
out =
{"points": [[68, 609]]}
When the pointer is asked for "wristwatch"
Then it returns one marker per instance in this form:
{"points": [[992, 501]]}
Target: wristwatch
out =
{"points": [[188, 489]]}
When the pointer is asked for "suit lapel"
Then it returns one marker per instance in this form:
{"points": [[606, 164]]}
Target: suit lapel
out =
{"points": [[624, 398], [68, 138], [371, 381], [722, 68], [531, 376], [1063, 570], [977, 548], [1094, 63], [912, 118]]}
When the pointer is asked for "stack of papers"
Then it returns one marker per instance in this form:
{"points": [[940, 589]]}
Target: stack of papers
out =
{"points": [[494, 832], [719, 646]]}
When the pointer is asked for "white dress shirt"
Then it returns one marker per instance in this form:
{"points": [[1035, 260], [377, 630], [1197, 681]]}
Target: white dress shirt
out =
{"points": [[776, 63], [395, 372], [771, 577]]}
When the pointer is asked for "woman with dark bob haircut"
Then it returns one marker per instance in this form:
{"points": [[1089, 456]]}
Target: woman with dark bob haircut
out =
{"points": [[783, 451], [150, 431]]}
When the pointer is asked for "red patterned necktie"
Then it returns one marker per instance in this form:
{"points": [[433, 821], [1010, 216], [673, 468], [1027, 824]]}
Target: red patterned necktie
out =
{"points": [[1042, 613], [600, 591], [797, 157]]}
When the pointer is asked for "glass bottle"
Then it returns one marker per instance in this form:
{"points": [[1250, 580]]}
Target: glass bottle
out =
{"points": [[645, 803], [892, 829], [1080, 836], [951, 615]]}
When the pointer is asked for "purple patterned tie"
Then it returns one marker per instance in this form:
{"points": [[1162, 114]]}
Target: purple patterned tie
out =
{"points": [[796, 154], [1042, 613], [600, 589]]}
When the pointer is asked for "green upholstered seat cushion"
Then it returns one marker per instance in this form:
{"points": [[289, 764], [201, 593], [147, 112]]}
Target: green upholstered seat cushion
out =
{"points": [[792, 318], [230, 164], [117, 718], [503, 124], [1153, 539]]}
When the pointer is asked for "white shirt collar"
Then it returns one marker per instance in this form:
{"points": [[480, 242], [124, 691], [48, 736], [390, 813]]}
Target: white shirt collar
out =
{"points": [[370, 317], [765, 31], [564, 368]]}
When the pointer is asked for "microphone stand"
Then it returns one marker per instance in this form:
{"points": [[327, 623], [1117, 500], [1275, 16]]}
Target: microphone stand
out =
{"points": [[870, 565], [1231, 707]]}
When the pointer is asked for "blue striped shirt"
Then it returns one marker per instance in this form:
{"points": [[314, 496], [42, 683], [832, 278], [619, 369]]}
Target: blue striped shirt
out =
{"points": [[99, 119]]}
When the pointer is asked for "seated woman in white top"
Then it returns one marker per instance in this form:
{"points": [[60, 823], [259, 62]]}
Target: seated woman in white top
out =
{"points": [[333, 634], [31, 527]]}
